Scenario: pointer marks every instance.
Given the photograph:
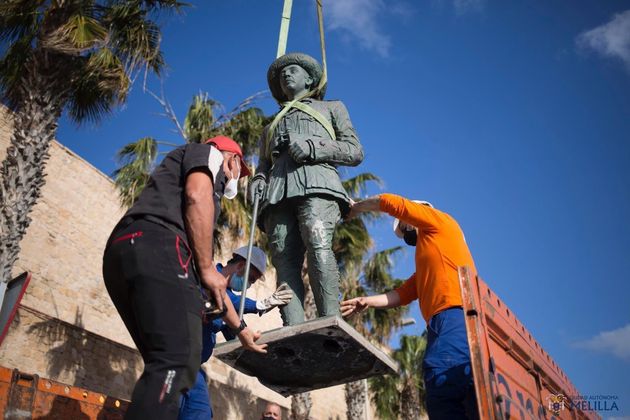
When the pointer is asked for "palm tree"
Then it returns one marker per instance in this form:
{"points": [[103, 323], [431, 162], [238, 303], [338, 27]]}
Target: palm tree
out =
{"points": [[402, 396], [77, 56], [138, 160], [375, 324]]}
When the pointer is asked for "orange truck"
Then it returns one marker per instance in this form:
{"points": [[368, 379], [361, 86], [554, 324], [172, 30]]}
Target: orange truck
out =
{"points": [[514, 377]]}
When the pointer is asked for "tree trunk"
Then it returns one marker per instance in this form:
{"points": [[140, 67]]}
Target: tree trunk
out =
{"points": [[410, 403], [356, 397], [301, 404], [22, 171]]}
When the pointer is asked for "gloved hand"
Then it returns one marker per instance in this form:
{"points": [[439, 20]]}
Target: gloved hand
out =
{"points": [[257, 184], [301, 150], [281, 296]]}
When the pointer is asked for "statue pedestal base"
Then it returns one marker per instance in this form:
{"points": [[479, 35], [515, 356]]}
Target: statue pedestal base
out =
{"points": [[316, 354]]}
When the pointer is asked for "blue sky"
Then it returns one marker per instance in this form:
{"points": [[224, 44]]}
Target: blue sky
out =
{"points": [[512, 116]]}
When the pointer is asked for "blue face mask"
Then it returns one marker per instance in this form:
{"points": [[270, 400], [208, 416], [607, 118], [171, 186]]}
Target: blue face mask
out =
{"points": [[236, 282]]}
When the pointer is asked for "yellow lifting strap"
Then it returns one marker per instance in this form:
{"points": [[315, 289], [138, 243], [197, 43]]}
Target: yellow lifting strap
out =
{"points": [[295, 103], [284, 28]]}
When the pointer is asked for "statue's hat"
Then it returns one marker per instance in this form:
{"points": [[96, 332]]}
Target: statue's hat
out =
{"points": [[305, 61]]}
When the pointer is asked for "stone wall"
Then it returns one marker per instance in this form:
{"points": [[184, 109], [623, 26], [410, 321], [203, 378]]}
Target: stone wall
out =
{"points": [[67, 328]]}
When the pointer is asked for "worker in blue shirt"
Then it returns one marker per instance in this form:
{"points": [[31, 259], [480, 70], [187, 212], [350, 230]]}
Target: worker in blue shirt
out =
{"points": [[195, 404]]}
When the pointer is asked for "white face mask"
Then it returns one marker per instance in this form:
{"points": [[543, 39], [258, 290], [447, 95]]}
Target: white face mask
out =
{"points": [[231, 188]]}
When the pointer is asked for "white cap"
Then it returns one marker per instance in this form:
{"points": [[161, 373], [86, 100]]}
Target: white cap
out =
{"points": [[259, 259], [397, 221]]}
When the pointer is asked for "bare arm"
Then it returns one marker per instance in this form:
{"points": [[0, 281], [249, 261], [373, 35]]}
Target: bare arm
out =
{"points": [[387, 300], [367, 205], [199, 216], [246, 336]]}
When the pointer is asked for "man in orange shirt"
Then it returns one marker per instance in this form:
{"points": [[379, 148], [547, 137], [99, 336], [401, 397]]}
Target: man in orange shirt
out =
{"points": [[440, 250]]}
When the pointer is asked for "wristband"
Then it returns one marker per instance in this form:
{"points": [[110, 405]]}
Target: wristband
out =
{"points": [[241, 327]]}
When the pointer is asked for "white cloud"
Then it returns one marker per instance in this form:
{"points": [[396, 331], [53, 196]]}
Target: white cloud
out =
{"points": [[359, 19], [611, 39], [616, 342]]}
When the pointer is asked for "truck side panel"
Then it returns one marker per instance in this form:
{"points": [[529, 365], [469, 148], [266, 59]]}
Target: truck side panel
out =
{"points": [[28, 396], [514, 377]]}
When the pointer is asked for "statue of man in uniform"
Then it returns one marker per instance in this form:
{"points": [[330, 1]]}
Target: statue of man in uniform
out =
{"points": [[302, 196]]}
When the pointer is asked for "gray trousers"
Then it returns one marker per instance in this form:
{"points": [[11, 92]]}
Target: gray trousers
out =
{"points": [[299, 225]]}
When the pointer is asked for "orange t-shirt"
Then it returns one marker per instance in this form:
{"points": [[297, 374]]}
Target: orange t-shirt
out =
{"points": [[441, 248]]}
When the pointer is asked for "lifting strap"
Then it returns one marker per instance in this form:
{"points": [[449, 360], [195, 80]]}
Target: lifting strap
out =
{"points": [[284, 28], [295, 103], [318, 116]]}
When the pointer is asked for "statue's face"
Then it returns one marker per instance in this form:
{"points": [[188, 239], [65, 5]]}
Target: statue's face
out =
{"points": [[294, 80]]}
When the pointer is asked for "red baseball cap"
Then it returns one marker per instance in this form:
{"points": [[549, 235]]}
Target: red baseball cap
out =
{"points": [[226, 144]]}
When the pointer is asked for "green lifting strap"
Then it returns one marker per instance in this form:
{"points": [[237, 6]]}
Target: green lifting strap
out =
{"points": [[282, 42], [318, 116]]}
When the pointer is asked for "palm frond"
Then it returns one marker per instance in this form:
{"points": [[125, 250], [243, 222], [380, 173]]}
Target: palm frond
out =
{"points": [[391, 395], [199, 120], [134, 37], [19, 19], [246, 129], [169, 5], [385, 396], [351, 242], [100, 84], [378, 269], [357, 185], [137, 160], [78, 34], [13, 67], [382, 323], [245, 105]]}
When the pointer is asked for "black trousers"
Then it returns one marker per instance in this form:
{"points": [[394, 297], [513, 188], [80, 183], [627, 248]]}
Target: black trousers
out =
{"points": [[148, 274]]}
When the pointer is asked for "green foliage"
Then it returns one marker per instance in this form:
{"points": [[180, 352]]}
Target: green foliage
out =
{"points": [[89, 50], [137, 160], [401, 396], [199, 120]]}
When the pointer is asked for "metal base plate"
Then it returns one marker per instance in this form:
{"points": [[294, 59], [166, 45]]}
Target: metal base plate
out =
{"points": [[316, 354]]}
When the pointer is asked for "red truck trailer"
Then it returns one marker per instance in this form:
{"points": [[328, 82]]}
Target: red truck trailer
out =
{"points": [[514, 377]]}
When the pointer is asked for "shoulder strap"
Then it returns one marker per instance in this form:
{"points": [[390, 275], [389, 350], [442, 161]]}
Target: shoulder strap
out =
{"points": [[304, 108], [318, 116]]}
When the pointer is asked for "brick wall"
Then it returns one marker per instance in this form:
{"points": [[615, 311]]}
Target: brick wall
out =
{"points": [[68, 329]]}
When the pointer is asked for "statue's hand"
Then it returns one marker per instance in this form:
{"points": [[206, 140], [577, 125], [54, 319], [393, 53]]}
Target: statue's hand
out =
{"points": [[257, 186], [301, 150]]}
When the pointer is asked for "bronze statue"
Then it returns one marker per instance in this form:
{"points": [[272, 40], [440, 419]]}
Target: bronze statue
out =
{"points": [[302, 196]]}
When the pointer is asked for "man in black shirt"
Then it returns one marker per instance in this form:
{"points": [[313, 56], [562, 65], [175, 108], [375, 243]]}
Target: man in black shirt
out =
{"points": [[156, 261]]}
